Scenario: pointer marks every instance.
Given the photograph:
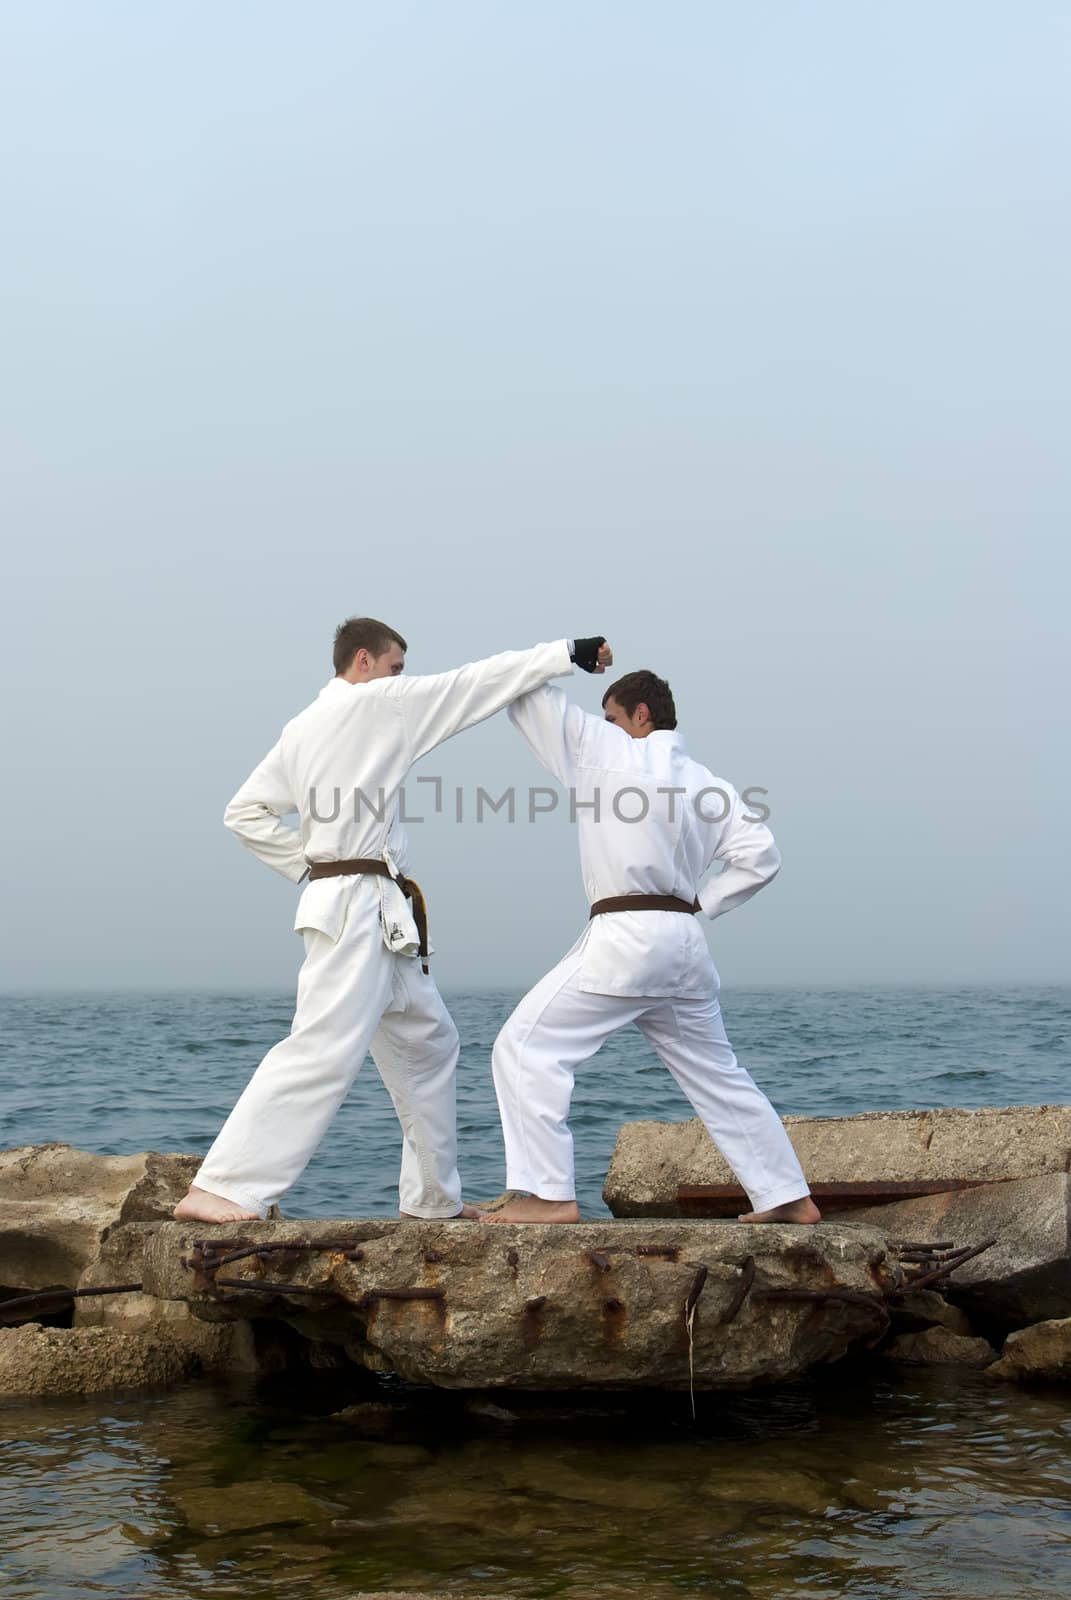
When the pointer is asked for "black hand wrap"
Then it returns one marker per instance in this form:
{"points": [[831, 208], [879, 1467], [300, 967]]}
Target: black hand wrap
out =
{"points": [[586, 652]]}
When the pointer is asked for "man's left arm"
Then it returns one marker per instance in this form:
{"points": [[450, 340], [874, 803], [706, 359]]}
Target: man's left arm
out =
{"points": [[552, 726], [751, 859]]}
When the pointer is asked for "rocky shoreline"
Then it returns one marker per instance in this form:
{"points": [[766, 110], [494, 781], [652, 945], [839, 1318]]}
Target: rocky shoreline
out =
{"points": [[100, 1290]]}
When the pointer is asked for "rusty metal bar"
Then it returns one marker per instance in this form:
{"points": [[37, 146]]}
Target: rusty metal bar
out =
{"points": [[20, 1300], [401, 1294], [255, 1286], [206, 1261], [598, 1260], [951, 1263], [666, 1252], [698, 1285], [210, 1262], [216, 1246], [740, 1293]]}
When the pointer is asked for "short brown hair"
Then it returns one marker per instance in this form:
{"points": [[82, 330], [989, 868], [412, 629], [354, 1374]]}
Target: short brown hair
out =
{"points": [[644, 688], [362, 633]]}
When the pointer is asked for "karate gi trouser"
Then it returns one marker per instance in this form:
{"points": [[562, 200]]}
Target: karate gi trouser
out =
{"points": [[354, 996], [558, 1026]]}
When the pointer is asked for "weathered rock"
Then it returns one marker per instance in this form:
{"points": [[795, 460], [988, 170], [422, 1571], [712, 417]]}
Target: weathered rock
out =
{"points": [[58, 1203], [45, 1361], [923, 1308], [992, 1145], [939, 1347], [1042, 1352], [1026, 1276], [155, 1341], [534, 1307], [226, 1346]]}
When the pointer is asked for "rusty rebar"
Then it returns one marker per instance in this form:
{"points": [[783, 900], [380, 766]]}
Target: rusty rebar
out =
{"points": [[255, 1286], [598, 1260], [698, 1284], [231, 1247], [210, 1260], [401, 1294], [740, 1293], [67, 1294], [951, 1264]]}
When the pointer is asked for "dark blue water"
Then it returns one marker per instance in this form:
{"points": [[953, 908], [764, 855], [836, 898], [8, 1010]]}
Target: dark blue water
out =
{"points": [[119, 1073]]}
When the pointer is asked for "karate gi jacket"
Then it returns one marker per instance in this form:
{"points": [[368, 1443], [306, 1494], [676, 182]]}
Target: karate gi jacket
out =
{"points": [[684, 819], [340, 764]]}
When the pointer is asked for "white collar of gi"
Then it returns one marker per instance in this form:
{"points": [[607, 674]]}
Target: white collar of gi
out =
{"points": [[335, 689], [674, 739]]}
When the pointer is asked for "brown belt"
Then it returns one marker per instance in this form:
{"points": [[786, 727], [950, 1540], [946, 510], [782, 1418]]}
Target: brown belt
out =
{"points": [[643, 902], [379, 869]]}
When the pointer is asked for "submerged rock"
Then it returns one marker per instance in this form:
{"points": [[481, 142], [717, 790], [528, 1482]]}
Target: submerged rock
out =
{"points": [[243, 1507], [368, 1418], [594, 1306], [938, 1347]]}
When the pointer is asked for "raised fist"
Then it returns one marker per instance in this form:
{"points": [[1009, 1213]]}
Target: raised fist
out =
{"points": [[593, 655]]}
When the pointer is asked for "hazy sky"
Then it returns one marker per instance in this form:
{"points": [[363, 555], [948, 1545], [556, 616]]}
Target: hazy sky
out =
{"points": [[739, 333]]}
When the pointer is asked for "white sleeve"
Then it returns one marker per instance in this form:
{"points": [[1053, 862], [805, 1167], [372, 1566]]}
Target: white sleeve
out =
{"points": [[253, 815], [552, 727], [751, 856], [434, 708]]}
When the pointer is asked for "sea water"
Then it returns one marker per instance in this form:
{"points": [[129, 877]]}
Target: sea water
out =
{"points": [[856, 1481]]}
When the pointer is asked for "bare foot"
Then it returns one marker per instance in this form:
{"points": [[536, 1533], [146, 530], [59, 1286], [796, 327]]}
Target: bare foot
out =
{"points": [[200, 1206], [528, 1208], [468, 1213], [803, 1210]]}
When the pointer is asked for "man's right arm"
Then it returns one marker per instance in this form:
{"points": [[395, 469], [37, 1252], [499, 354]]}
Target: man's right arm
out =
{"points": [[436, 707], [253, 815]]}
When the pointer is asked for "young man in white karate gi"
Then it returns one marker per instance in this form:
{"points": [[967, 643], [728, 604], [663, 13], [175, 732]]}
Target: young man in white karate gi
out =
{"points": [[364, 985], [652, 822]]}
